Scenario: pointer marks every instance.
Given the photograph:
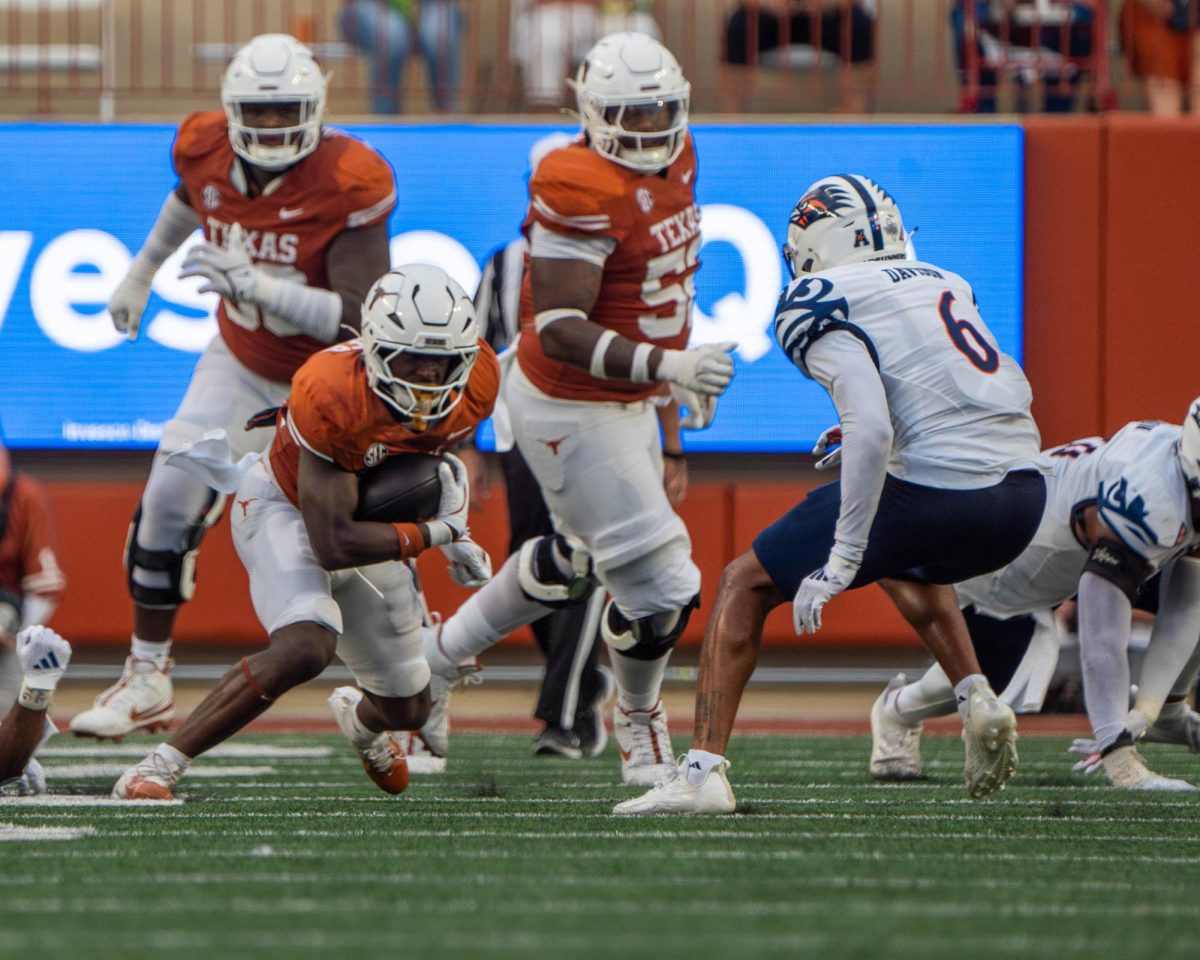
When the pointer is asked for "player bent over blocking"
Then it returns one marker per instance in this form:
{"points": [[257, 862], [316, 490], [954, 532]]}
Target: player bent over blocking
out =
{"points": [[614, 233], [322, 580], [43, 657], [939, 477], [1118, 512], [294, 216]]}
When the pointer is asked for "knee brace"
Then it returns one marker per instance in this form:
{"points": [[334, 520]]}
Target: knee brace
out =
{"points": [[542, 566], [173, 573], [646, 638]]}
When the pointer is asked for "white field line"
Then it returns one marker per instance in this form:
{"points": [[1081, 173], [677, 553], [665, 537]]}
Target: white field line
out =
{"points": [[86, 771], [12, 832], [50, 800], [244, 751]]}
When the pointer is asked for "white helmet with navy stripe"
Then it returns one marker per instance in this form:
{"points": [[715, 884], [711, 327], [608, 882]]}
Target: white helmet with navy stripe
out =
{"points": [[843, 219], [1189, 446]]}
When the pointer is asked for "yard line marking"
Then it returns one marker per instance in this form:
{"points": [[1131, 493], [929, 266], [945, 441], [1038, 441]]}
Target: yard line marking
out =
{"points": [[87, 771], [50, 800], [226, 750], [12, 832]]}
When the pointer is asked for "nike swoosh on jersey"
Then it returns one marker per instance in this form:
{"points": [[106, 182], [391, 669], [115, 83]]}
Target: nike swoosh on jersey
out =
{"points": [[686, 176], [286, 214]]}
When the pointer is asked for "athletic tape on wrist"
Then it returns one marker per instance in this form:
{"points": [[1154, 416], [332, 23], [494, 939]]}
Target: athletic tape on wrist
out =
{"points": [[440, 533], [638, 367], [33, 698], [598, 351]]}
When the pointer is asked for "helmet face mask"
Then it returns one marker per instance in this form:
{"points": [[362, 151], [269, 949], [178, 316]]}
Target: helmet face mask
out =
{"points": [[843, 219], [273, 93], [1189, 448], [633, 101], [412, 315]]}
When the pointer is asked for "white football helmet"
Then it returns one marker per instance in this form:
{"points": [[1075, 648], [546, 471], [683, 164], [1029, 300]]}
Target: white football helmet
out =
{"points": [[418, 309], [843, 219], [1189, 447], [278, 69], [626, 77]]}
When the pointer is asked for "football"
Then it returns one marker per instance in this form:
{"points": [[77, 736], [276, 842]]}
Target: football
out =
{"points": [[403, 489]]}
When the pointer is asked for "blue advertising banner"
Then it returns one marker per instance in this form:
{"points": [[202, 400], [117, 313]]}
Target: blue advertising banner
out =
{"points": [[76, 202]]}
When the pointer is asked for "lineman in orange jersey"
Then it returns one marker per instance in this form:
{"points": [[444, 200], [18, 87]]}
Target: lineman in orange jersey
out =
{"points": [[418, 381], [295, 224], [614, 233]]}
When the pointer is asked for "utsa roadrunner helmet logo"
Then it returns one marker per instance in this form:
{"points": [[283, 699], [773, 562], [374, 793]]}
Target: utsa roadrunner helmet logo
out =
{"points": [[825, 201]]}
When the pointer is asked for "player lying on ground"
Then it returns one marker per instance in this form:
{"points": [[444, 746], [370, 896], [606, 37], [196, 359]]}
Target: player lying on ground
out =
{"points": [[294, 216], [323, 581], [1117, 513], [939, 477], [614, 234], [43, 656]]}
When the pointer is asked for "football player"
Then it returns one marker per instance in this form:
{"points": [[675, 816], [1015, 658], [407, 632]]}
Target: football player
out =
{"points": [[294, 216], [31, 583], [940, 480], [417, 381], [1118, 512], [614, 231]]}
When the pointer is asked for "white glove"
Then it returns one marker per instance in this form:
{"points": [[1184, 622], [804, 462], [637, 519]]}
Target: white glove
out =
{"points": [[43, 656], [451, 522], [470, 565], [700, 409], [225, 270], [707, 369], [829, 438], [817, 589], [128, 303], [1090, 751]]}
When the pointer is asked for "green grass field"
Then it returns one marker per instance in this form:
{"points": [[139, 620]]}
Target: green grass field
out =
{"points": [[283, 848]]}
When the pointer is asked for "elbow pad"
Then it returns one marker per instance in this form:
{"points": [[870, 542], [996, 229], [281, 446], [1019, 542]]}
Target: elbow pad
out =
{"points": [[1120, 566]]}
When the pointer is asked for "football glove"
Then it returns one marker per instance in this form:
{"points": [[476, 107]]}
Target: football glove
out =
{"points": [[700, 408], [128, 303], [470, 565], [828, 439], [43, 656], [224, 270], [706, 370], [817, 589], [451, 522]]}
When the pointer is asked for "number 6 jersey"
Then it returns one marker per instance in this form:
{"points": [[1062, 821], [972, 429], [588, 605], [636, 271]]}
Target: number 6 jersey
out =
{"points": [[959, 407], [650, 227]]}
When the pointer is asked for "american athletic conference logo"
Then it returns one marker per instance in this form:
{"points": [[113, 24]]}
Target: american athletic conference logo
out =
{"points": [[210, 196], [375, 455], [645, 199]]}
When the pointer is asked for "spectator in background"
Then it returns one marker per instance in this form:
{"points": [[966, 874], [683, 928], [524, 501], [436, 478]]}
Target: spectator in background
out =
{"points": [[1032, 38], [383, 30], [551, 37], [31, 583], [1161, 40], [763, 33]]}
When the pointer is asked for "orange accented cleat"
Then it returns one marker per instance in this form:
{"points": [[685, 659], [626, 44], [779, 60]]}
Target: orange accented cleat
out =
{"points": [[152, 779], [386, 764]]}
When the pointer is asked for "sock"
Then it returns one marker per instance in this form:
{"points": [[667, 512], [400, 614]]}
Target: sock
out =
{"points": [[962, 691], [699, 762], [157, 653], [361, 734], [490, 615], [639, 682], [930, 696], [177, 762]]}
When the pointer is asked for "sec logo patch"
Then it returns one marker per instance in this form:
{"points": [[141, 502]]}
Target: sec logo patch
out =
{"points": [[210, 196], [645, 199], [375, 455]]}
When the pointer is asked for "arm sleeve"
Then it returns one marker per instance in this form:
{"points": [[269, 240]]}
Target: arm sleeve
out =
{"points": [[560, 246], [1173, 638], [1104, 617], [175, 223], [840, 362]]}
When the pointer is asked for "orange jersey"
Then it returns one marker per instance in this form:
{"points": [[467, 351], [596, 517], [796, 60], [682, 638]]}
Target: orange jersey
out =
{"points": [[333, 412], [28, 564], [648, 286], [343, 184]]}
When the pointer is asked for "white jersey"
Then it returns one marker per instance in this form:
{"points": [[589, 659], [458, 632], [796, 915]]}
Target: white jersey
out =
{"points": [[1136, 485], [959, 407]]}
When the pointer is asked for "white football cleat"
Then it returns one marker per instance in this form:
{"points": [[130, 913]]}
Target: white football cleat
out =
{"points": [[1126, 770], [152, 779], [895, 746], [447, 676], [142, 701], [1182, 728], [384, 757], [990, 736], [644, 744], [421, 760], [31, 782], [678, 794]]}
